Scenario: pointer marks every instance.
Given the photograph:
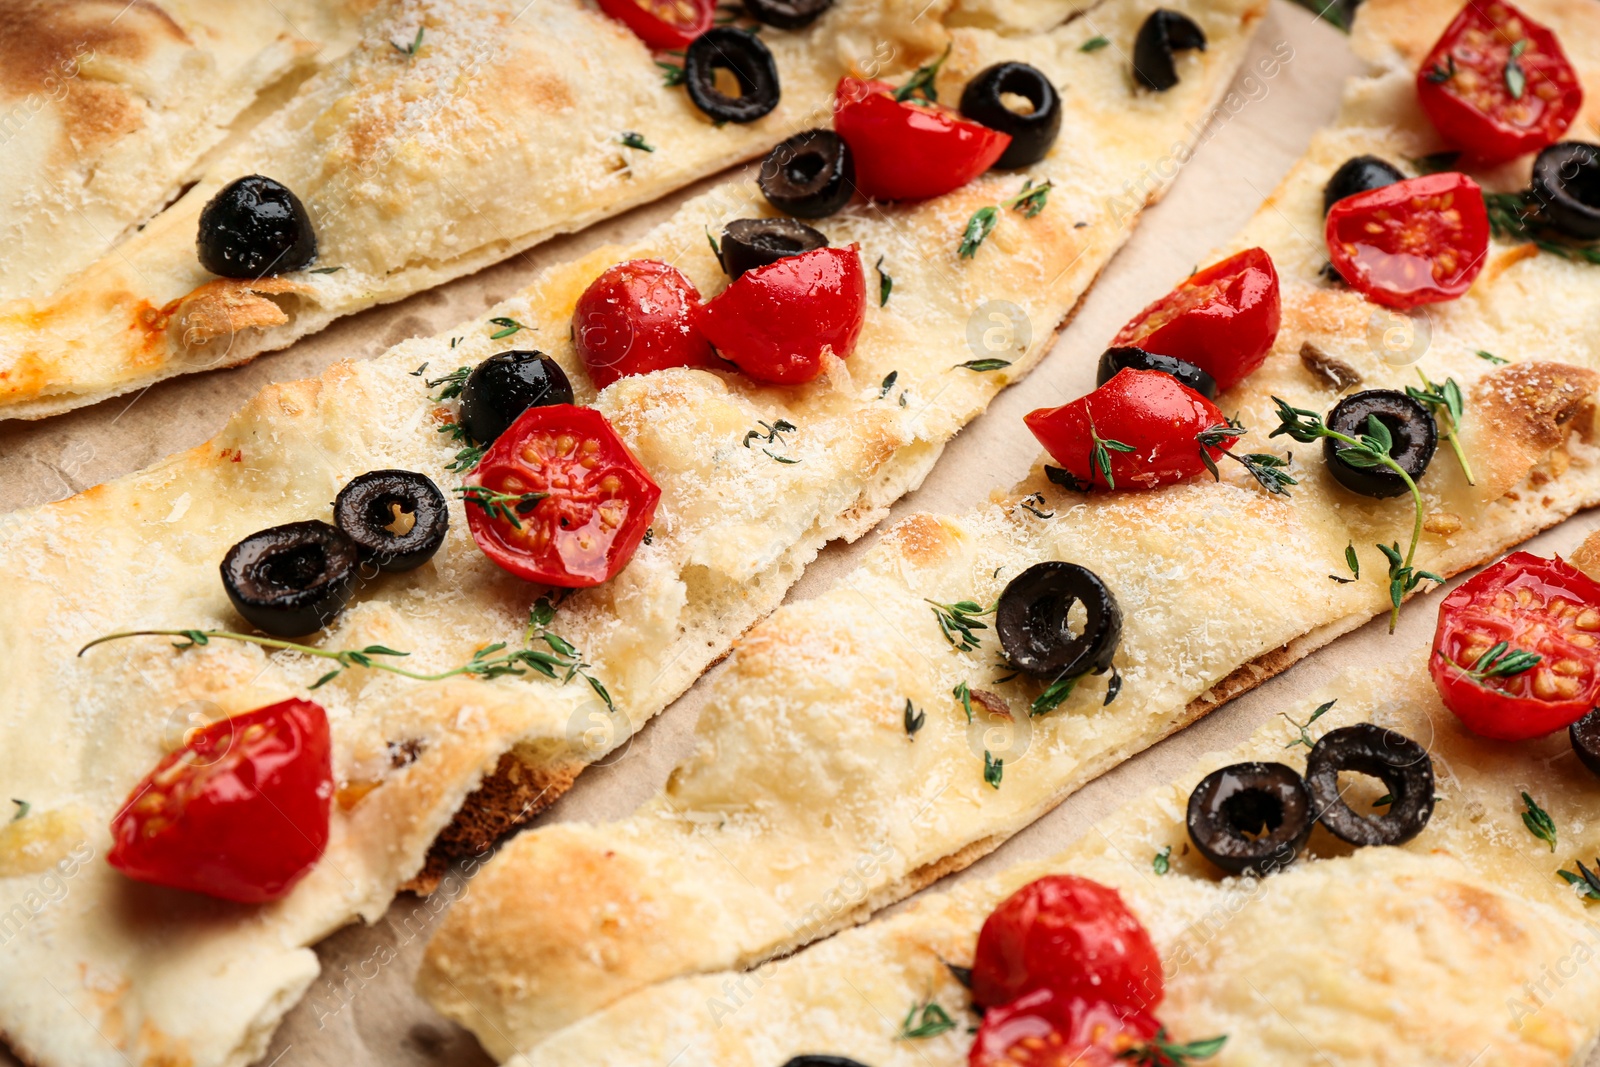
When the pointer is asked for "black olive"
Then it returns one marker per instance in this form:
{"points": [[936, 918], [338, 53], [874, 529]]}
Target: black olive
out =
{"points": [[1400, 763], [1113, 360], [1358, 174], [1032, 133], [507, 384], [1585, 735], [1250, 817], [291, 580], [821, 1060], [744, 56], [1162, 34], [751, 243], [786, 14], [1566, 186], [810, 175], [377, 500], [254, 227], [1033, 621], [1409, 424]]}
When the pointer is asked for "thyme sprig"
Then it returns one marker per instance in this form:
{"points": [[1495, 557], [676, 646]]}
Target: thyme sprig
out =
{"points": [[1305, 727], [1444, 398], [1100, 450], [933, 1022], [993, 769], [1030, 201], [1490, 357], [453, 383], [963, 693], [671, 73], [958, 621], [508, 326], [506, 506], [1161, 1051], [921, 81], [410, 50], [1587, 881], [1499, 661], [1513, 217], [1538, 822], [631, 139], [1054, 695], [1270, 471]]}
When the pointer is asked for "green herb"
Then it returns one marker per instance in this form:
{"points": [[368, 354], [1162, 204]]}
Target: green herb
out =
{"points": [[1113, 687], [780, 459], [958, 620], [1066, 479], [467, 458], [1439, 75], [979, 226], [1270, 471], [1384, 801], [1305, 727], [915, 719], [671, 73], [410, 51], [1492, 358], [1100, 455], [23, 807], [888, 383], [992, 769], [1500, 661], [1031, 504], [1539, 822], [921, 80], [507, 327], [1587, 881], [964, 694], [1511, 217], [885, 284], [630, 139], [1516, 80], [1032, 199], [563, 655], [1163, 1052], [1351, 560], [507, 506], [715, 249], [934, 1021], [453, 383], [772, 433], [1053, 696], [1402, 578], [1163, 861], [1094, 44], [418, 372], [1445, 399], [981, 365], [324, 270]]}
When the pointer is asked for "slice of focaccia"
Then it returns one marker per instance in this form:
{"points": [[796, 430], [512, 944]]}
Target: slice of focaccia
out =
{"points": [[116, 971], [107, 108], [806, 780], [1462, 946]]}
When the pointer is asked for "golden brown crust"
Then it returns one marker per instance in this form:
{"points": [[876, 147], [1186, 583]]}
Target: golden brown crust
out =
{"points": [[1526, 410]]}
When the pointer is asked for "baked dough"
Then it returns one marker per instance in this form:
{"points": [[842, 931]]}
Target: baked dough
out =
{"points": [[806, 808], [115, 972]]}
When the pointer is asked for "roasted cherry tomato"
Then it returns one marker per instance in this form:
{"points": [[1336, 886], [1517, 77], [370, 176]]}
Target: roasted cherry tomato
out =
{"points": [[906, 151], [638, 317], [1050, 1029], [1418, 241], [1497, 84], [1070, 934], [239, 812], [559, 499], [775, 321], [1143, 426], [1492, 626], [1223, 319], [663, 24]]}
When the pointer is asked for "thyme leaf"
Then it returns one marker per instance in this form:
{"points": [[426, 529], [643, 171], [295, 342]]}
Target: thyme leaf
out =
{"points": [[1539, 822], [958, 621], [993, 769], [1442, 399], [1587, 881], [979, 226], [507, 327], [506, 506], [1439, 75], [410, 50], [1305, 727], [1160, 1051], [888, 383], [630, 139], [915, 720], [1032, 199], [1053, 696], [452, 382], [921, 80], [933, 1022], [981, 365], [1162, 863], [1094, 44], [671, 73], [23, 807], [885, 284], [963, 693], [1516, 79], [1492, 358]]}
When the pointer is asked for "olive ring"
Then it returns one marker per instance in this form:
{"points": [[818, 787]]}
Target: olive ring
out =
{"points": [[744, 56], [291, 580], [1032, 620], [1162, 34], [1125, 357], [1409, 424], [371, 503], [1403, 766], [810, 175], [751, 243], [1252, 817], [1033, 133]]}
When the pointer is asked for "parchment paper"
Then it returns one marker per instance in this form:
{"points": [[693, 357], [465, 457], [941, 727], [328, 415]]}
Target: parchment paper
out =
{"points": [[361, 1011]]}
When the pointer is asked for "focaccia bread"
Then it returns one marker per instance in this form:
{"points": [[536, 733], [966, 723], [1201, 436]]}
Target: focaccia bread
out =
{"points": [[1462, 946], [804, 774], [167, 976]]}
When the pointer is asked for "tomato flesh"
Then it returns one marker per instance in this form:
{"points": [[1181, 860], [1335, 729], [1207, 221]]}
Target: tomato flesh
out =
{"points": [[1544, 606], [1491, 105], [663, 24], [240, 812], [1069, 934], [597, 505], [776, 321], [636, 318], [1045, 1028], [1223, 319], [1152, 413], [1415, 242], [906, 151]]}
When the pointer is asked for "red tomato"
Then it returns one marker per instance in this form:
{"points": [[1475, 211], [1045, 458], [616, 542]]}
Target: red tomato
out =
{"points": [[559, 499], [906, 151], [1418, 241], [663, 24], [1489, 103], [1050, 1029], [239, 812], [635, 318], [1223, 319], [1072, 935], [1543, 606], [775, 321], [1142, 423]]}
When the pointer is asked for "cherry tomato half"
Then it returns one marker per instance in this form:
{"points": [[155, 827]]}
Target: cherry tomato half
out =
{"points": [[663, 24], [1546, 607], [1223, 319], [1070, 934], [1497, 84], [906, 151], [775, 321], [1419, 241], [1142, 424], [239, 812], [1050, 1029], [638, 317], [559, 499]]}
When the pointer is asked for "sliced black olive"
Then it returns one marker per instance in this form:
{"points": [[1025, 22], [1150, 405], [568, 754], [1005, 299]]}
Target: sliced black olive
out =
{"points": [[1113, 360], [1250, 817], [507, 384], [751, 243], [1162, 34], [291, 580], [372, 508], [1566, 186], [1585, 734], [810, 175], [1358, 174], [1403, 766], [818, 1060], [787, 14], [1033, 132], [255, 227], [1409, 424], [744, 56], [1033, 621]]}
